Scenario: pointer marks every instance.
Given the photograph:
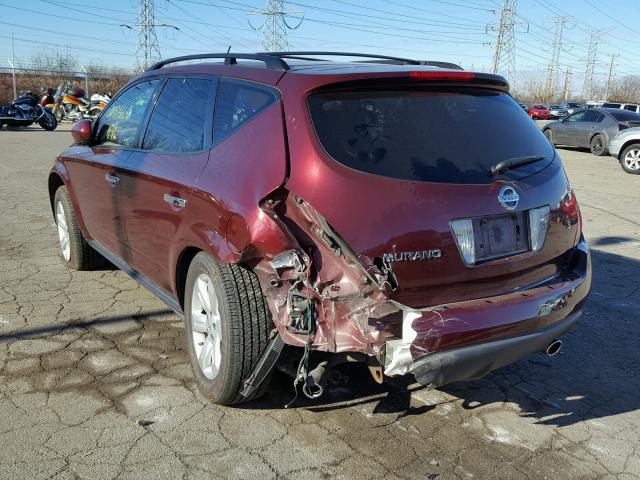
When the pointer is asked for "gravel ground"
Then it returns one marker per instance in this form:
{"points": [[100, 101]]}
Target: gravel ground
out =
{"points": [[94, 381]]}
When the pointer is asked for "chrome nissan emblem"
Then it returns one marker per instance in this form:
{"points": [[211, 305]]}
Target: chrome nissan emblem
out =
{"points": [[508, 197]]}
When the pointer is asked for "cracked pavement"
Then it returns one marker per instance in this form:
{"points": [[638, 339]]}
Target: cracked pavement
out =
{"points": [[95, 383]]}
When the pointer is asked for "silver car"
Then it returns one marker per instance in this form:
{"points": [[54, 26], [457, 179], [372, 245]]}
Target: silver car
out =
{"points": [[557, 111], [626, 148], [593, 128]]}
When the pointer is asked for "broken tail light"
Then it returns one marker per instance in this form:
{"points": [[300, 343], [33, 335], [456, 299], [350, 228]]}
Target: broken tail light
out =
{"points": [[463, 233], [538, 226]]}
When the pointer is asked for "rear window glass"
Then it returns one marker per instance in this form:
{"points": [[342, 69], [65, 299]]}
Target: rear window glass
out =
{"points": [[625, 116], [431, 136]]}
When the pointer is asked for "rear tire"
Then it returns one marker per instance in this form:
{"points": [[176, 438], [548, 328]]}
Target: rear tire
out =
{"points": [[630, 159], [75, 251], [598, 145], [549, 134], [227, 325]]}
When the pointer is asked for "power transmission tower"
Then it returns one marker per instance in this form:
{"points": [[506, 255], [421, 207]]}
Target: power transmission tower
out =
{"points": [[504, 49], [567, 84], [147, 49], [589, 73], [551, 84], [275, 26], [606, 90]]}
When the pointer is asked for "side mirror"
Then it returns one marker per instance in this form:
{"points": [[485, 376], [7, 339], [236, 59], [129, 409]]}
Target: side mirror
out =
{"points": [[81, 132]]}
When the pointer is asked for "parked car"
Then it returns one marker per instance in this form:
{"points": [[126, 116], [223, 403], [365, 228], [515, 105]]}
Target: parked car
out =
{"points": [[539, 112], [593, 128], [556, 111], [632, 107], [570, 107], [626, 148], [331, 206], [524, 107]]}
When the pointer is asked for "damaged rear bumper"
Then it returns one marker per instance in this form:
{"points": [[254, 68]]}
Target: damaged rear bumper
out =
{"points": [[475, 361], [467, 340]]}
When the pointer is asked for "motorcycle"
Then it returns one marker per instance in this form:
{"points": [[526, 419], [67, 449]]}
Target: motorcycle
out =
{"points": [[25, 110], [71, 104]]}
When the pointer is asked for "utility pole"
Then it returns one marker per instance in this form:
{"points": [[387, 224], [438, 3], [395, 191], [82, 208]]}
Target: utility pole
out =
{"points": [[589, 73], [13, 65], [275, 26], [606, 90], [567, 83], [552, 72], [147, 49], [504, 48]]}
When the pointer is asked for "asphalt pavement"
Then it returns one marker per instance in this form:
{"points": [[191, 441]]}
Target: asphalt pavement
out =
{"points": [[95, 383]]}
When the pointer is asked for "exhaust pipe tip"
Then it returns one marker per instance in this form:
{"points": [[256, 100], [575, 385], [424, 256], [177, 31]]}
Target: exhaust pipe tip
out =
{"points": [[553, 348]]}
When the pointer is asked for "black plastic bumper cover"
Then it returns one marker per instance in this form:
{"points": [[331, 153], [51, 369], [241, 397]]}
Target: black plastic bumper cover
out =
{"points": [[475, 361]]}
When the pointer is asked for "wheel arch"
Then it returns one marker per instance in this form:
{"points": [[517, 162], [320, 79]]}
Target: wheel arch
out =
{"points": [[627, 144], [55, 181], [182, 267]]}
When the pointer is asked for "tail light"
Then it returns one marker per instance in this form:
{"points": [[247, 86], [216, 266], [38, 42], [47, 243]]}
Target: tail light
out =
{"points": [[463, 233], [570, 209], [538, 226]]}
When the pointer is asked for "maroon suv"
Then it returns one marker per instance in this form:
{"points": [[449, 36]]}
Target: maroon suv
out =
{"points": [[402, 213]]}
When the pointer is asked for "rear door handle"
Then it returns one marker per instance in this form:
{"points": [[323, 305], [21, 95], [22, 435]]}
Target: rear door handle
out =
{"points": [[175, 201], [112, 179]]}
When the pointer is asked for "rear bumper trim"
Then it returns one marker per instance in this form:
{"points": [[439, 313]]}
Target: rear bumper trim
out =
{"points": [[475, 361]]}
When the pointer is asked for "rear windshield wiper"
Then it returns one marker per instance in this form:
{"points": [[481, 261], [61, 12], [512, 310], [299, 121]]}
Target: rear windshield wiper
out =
{"points": [[513, 163]]}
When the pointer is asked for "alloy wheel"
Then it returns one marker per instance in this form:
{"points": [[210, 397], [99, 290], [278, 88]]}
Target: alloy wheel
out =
{"points": [[632, 159], [206, 326], [63, 232], [597, 144]]}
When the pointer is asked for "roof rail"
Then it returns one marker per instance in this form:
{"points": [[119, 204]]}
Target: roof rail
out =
{"points": [[299, 55], [270, 61], [276, 60], [382, 58]]}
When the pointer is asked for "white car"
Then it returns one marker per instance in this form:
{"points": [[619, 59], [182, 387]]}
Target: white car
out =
{"points": [[626, 148]]}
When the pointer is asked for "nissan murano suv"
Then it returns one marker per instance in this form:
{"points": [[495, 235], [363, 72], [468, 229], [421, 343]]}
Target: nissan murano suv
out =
{"points": [[405, 214]]}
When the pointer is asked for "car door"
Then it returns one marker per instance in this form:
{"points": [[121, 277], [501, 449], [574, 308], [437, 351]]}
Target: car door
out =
{"points": [[157, 179], [566, 131], [93, 168], [587, 127]]}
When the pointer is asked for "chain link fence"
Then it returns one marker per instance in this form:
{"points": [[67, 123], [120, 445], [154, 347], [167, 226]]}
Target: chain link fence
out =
{"points": [[38, 80]]}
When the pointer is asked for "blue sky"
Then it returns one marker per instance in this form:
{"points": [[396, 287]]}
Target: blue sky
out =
{"points": [[450, 30]]}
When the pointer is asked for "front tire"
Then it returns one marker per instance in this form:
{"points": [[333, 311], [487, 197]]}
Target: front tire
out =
{"points": [[227, 325], [630, 159], [48, 122], [75, 251], [598, 146]]}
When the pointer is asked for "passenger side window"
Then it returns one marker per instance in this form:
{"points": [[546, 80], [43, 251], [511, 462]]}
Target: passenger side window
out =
{"points": [[182, 116], [237, 103], [576, 117], [120, 124], [592, 116]]}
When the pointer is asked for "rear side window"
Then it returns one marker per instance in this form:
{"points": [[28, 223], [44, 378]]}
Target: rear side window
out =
{"points": [[120, 124], [625, 116], [442, 136], [237, 103], [182, 116]]}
